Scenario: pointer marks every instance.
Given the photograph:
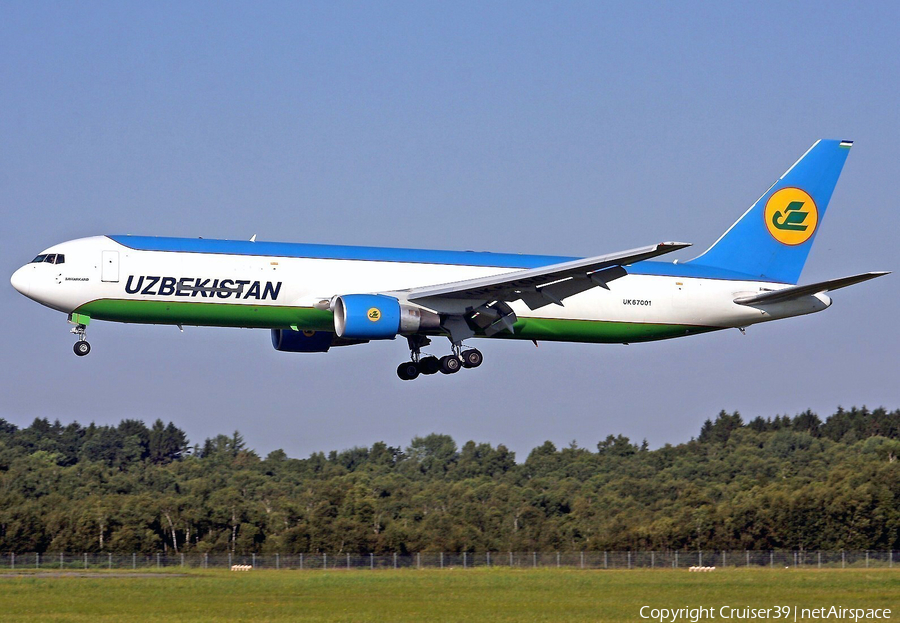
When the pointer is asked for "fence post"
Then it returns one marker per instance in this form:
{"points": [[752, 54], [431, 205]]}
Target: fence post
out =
{"points": [[700, 564], [557, 560], [534, 559], [157, 559], [182, 560], [605, 561], [85, 561], [489, 558], [278, 561], [723, 558], [37, 560], [253, 560], [510, 559], [772, 558], [348, 561], [465, 561], [675, 562], [843, 559], [442, 560], [371, 560], [206, 560], [395, 560], [629, 559], [819, 559], [324, 561], [110, 560], [229, 560], [867, 559], [61, 559], [747, 551], [133, 560], [12, 560], [891, 565], [418, 560], [301, 561], [652, 559], [582, 559]]}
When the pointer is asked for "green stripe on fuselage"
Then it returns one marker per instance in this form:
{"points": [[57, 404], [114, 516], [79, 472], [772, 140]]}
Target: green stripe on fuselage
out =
{"points": [[308, 318], [209, 314]]}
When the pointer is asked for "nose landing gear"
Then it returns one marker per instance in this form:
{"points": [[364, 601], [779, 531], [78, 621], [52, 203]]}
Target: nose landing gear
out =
{"points": [[81, 347], [449, 364]]}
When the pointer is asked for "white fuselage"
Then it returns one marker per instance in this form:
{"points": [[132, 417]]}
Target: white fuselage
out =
{"points": [[108, 280]]}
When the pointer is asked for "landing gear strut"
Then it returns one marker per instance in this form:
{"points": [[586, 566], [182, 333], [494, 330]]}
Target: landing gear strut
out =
{"points": [[81, 347], [449, 364]]}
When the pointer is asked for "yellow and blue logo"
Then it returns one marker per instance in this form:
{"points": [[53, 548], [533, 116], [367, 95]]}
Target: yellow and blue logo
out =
{"points": [[374, 314], [791, 216]]}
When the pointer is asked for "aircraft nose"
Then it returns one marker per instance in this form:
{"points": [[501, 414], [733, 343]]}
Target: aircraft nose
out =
{"points": [[21, 280]]}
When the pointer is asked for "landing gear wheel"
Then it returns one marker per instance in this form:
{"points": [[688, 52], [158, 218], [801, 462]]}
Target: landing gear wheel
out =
{"points": [[429, 365], [472, 358], [82, 348], [408, 370], [450, 364]]}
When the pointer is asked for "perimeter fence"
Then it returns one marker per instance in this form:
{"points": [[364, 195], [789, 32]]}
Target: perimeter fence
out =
{"points": [[840, 559]]}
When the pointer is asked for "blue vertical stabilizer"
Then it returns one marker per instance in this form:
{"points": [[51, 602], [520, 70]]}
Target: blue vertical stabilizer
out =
{"points": [[773, 238]]}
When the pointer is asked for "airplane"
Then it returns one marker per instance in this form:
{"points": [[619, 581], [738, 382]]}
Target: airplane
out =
{"points": [[314, 297]]}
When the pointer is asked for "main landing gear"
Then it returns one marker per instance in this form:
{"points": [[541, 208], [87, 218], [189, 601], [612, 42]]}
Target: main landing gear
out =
{"points": [[448, 364], [81, 347]]}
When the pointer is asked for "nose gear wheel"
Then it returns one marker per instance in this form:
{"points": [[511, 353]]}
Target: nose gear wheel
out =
{"points": [[81, 347]]}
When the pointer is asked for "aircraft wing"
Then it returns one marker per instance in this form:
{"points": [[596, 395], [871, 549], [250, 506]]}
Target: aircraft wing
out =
{"points": [[795, 292], [548, 284]]}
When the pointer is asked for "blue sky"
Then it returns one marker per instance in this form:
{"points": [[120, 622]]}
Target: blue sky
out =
{"points": [[569, 129]]}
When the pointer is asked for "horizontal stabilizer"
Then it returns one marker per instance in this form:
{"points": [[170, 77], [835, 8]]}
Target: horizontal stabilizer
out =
{"points": [[795, 292]]}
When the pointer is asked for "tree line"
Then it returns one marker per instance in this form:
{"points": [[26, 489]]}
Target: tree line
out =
{"points": [[771, 483]]}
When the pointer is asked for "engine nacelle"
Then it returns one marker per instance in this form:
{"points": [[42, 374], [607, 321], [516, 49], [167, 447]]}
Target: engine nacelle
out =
{"points": [[378, 317], [290, 341]]}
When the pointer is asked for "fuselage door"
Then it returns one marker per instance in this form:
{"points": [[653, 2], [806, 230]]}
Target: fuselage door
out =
{"points": [[109, 267]]}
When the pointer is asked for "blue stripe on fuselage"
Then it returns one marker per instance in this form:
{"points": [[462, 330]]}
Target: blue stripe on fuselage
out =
{"points": [[412, 256]]}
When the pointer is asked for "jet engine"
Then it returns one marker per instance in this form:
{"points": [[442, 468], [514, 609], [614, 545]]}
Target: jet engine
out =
{"points": [[379, 317], [290, 341]]}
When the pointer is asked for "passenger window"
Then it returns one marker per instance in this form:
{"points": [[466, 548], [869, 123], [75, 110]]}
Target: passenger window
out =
{"points": [[38, 259], [51, 258], [60, 258]]}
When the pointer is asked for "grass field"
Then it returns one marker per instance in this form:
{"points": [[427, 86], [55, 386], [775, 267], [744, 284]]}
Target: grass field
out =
{"points": [[431, 595]]}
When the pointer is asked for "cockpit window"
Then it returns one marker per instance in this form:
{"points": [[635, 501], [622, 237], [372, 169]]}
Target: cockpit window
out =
{"points": [[50, 258]]}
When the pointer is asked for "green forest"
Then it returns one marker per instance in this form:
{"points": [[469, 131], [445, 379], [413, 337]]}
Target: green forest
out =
{"points": [[771, 483]]}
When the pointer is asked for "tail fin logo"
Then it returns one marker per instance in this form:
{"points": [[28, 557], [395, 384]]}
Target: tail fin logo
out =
{"points": [[791, 216]]}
